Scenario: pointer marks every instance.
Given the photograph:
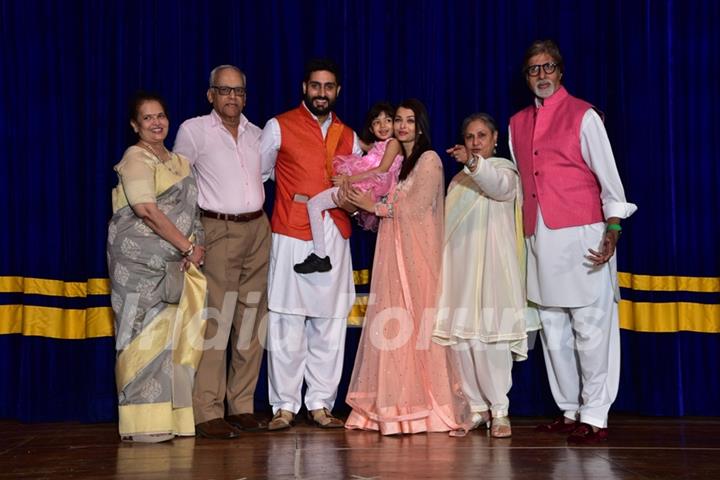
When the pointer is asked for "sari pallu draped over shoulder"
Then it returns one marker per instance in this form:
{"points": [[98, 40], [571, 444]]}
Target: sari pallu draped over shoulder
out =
{"points": [[402, 381], [483, 277], [159, 321]]}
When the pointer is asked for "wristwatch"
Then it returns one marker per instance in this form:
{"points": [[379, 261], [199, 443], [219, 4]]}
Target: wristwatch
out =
{"points": [[470, 164]]}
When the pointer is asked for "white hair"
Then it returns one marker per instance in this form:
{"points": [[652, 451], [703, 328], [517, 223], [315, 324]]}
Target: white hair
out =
{"points": [[215, 71]]}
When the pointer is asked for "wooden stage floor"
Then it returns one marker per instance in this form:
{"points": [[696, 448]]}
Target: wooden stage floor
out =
{"points": [[638, 448]]}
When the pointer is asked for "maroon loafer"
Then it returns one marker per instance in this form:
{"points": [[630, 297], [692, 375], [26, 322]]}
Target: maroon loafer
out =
{"points": [[585, 435], [558, 425]]}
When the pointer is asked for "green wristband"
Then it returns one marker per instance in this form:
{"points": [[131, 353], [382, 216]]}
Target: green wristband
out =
{"points": [[614, 226]]}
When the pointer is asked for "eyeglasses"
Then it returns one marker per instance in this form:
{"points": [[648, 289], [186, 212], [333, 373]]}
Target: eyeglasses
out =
{"points": [[239, 91], [534, 70]]}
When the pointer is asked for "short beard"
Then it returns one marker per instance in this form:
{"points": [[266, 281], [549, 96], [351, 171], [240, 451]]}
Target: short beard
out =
{"points": [[318, 111], [546, 93]]}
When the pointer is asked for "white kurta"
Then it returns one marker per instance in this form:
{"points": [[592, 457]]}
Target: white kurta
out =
{"points": [[329, 294], [577, 301], [306, 323], [558, 274]]}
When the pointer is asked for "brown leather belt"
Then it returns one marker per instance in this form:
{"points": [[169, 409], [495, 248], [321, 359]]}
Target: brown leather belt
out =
{"points": [[230, 217]]}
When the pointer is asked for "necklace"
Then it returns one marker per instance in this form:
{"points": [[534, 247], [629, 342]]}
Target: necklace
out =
{"points": [[166, 164]]}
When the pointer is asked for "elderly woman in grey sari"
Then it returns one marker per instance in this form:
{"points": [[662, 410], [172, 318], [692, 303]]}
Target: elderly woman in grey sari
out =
{"points": [[158, 293]]}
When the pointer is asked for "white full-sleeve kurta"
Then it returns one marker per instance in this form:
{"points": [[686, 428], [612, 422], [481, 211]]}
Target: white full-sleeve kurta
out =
{"points": [[558, 273], [326, 295]]}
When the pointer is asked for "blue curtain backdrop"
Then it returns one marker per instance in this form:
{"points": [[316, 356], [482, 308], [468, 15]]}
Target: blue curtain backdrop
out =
{"points": [[68, 69]]}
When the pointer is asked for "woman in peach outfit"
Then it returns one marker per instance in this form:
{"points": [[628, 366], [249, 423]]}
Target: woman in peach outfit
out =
{"points": [[402, 381]]}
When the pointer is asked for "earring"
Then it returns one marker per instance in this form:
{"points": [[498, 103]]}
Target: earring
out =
{"points": [[495, 149]]}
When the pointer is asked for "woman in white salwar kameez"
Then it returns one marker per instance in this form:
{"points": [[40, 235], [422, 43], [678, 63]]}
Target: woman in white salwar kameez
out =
{"points": [[482, 309]]}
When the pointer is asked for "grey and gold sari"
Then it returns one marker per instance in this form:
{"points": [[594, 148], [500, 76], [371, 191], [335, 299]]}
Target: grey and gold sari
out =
{"points": [[159, 324]]}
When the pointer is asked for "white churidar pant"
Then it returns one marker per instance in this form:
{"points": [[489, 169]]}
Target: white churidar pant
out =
{"points": [[486, 375]]}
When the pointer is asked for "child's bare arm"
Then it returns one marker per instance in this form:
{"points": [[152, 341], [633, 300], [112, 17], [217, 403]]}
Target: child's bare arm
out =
{"points": [[364, 146]]}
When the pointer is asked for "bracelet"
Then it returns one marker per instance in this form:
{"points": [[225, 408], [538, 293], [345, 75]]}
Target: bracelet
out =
{"points": [[355, 213], [189, 251], [383, 209], [614, 227], [470, 164]]}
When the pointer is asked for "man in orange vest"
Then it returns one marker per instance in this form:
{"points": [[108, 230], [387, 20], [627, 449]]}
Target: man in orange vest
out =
{"points": [[573, 202], [307, 318]]}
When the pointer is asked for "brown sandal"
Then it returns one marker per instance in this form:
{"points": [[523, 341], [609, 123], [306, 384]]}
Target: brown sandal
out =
{"points": [[324, 419]]}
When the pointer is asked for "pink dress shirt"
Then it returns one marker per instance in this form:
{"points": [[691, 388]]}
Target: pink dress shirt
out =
{"points": [[227, 169]]}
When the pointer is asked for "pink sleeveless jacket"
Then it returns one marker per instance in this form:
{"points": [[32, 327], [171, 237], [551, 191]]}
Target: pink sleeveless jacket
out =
{"points": [[546, 144]]}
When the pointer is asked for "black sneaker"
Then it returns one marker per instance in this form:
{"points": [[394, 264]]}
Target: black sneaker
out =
{"points": [[313, 263]]}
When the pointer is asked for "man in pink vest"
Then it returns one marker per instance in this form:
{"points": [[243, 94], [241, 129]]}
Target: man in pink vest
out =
{"points": [[308, 313], [573, 204]]}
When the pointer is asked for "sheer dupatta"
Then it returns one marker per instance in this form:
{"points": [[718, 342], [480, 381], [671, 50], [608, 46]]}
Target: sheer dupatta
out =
{"points": [[402, 381]]}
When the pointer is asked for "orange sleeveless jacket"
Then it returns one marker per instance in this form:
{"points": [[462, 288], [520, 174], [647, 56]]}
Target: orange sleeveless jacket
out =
{"points": [[304, 166]]}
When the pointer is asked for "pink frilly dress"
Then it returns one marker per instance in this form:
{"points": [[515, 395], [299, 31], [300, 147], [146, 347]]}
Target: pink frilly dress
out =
{"points": [[378, 185], [402, 381]]}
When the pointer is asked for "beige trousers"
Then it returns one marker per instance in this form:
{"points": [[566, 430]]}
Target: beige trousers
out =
{"points": [[236, 263]]}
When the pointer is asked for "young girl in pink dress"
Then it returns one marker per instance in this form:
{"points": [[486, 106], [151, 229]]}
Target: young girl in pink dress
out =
{"points": [[375, 173]]}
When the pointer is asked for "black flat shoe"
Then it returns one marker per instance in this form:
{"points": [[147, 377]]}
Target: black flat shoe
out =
{"points": [[312, 264]]}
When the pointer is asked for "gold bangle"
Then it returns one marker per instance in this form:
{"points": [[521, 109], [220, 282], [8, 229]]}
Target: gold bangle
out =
{"points": [[189, 251]]}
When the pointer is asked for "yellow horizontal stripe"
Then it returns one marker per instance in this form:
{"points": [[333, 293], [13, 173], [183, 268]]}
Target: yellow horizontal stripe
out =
{"points": [[71, 324], [98, 322], [635, 316], [357, 313], [55, 288], [10, 319], [361, 277], [98, 286], [101, 286], [669, 283], [11, 284], [669, 317]]}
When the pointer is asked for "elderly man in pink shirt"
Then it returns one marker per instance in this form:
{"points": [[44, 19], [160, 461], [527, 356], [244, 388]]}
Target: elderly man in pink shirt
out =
{"points": [[223, 148]]}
